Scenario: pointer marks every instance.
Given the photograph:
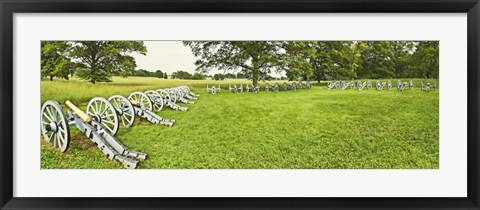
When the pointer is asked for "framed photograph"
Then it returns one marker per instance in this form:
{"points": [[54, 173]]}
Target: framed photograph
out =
{"points": [[240, 105]]}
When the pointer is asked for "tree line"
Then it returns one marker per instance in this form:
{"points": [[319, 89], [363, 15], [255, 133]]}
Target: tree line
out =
{"points": [[185, 75], [319, 60]]}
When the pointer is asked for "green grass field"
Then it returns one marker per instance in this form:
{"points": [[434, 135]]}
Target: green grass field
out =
{"points": [[305, 129]]}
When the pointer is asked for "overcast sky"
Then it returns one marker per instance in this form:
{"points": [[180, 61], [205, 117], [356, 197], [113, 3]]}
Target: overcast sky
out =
{"points": [[169, 56]]}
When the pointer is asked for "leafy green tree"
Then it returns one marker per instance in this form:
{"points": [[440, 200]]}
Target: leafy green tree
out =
{"points": [[141, 73], [297, 59], [230, 75], [254, 58], [377, 60], [158, 74], [99, 59], [165, 75], [218, 76], [181, 75], [426, 59], [402, 57], [328, 58], [198, 76], [55, 61], [124, 74]]}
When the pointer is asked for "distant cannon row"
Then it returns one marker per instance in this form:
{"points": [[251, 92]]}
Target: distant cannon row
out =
{"points": [[256, 89], [401, 86], [103, 117]]}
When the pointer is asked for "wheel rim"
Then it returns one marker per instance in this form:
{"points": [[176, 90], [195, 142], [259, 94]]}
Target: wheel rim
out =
{"points": [[165, 95], [158, 103], [54, 125], [172, 94], [105, 113], [143, 99], [124, 109]]}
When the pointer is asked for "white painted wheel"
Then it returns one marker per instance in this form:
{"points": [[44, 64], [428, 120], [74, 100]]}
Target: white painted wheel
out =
{"points": [[142, 99], [54, 125], [105, 113], [124, 109]]}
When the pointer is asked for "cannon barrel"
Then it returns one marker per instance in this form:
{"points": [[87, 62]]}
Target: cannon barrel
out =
{"points": [[78, 112]]}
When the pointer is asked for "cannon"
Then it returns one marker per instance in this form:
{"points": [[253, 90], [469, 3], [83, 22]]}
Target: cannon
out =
{"points": [[428, 86], [361, 85], [345, 85], [167, 100], [188, 94], [267, 87], [292, 87], [232, 89], [401, 86], [235, 89], [143, 107], [301, 85], [330, 85], [368, 85], [213, 90], [379, 86], [389, 85], [256, 88], [308, 85], [99, 124], [180, 94], [247, 88], [286, 86], [240, 88], [275, 88]]}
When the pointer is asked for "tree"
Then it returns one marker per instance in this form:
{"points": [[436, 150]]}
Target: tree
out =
{"points": [[54, 60], [377, 60], [181, 75], [141, 73], [402, 57], [124, 74], [296, 59], [198, 76], [230, 75], [253, 58], [426, 59], [165, 76], [158, 74], [99, 59]]}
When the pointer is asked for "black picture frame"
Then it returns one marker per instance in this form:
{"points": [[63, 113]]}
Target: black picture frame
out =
{"points": [[10, 7]]}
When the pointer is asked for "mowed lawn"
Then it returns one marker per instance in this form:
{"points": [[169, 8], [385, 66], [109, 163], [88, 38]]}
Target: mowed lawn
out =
{"points": [[310, 129]]}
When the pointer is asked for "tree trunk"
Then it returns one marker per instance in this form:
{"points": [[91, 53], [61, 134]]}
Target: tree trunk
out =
{"points": [[51, 77], [92, 81], [255, 71], [255, 81]]}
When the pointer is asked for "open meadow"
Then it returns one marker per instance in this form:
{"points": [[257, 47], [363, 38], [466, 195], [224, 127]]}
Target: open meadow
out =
{"points": [[306, 129]]}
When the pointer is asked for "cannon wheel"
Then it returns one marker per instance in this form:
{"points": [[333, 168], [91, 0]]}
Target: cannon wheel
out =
{"points": [[104, 112], [157, 106], [165, 95], [124, 109], [173, 95], [55, 126], [178, 92], [143, 99]]}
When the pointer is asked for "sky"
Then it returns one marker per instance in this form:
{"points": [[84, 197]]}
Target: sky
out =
{"points": [[169, 56]]}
